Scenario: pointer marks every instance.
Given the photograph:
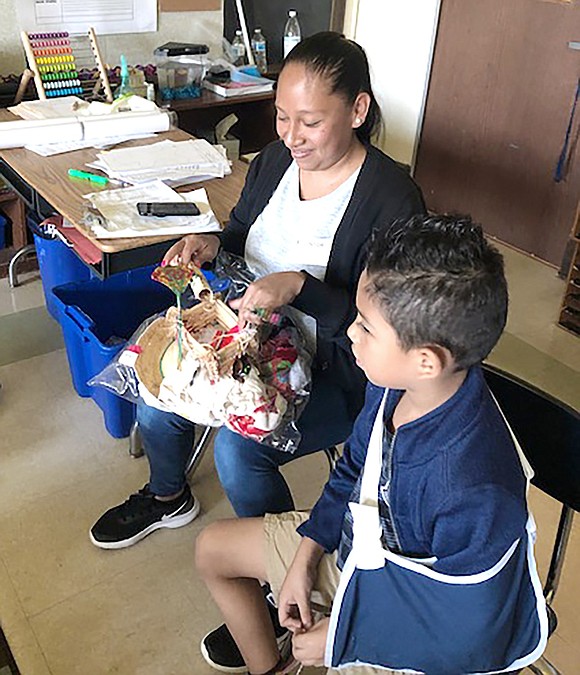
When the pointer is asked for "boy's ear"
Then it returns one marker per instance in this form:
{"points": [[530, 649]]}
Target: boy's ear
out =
{"points": [[432, 360]]}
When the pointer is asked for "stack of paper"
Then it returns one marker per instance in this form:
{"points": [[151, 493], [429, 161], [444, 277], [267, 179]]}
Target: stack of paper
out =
{"points": [[114, 212], [240, 84], [175, 163], [63, 106]]}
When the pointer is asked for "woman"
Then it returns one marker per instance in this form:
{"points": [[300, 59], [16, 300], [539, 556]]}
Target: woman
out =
{"points": [[309, 204]]}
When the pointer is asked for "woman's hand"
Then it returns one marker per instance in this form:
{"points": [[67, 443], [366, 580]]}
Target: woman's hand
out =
{"points": [[196, 248], [308, 646], [268, 293]]}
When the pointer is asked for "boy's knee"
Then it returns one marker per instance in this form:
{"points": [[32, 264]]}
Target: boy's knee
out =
{"points": [[210, 548]]}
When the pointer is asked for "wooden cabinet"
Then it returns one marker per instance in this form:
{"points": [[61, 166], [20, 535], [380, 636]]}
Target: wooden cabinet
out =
{"points": [[13, 207], [256, 126]]}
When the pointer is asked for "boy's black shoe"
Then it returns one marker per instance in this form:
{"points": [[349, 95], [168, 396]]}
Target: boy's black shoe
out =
{"points": [[141, 514], [219, 649]]}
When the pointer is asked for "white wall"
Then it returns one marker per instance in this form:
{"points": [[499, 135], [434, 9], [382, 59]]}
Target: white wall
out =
{"points": [[205, 27], [398, 36]]}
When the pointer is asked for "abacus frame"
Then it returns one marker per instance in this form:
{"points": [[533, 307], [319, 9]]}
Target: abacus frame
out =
{"points": [[34, 70]]}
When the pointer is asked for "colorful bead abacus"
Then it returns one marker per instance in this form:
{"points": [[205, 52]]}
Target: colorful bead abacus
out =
{"points": [[57, 59]]}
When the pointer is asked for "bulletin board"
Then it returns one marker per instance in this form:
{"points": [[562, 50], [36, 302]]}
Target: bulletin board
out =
{"points": [[189, 5]]}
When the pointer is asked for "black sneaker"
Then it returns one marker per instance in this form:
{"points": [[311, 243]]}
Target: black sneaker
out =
{"points": [[141, 514], [220, 650]]}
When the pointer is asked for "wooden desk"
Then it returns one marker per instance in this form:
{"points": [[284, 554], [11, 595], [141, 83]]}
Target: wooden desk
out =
{"points": [[43, 183], [256, 126]]}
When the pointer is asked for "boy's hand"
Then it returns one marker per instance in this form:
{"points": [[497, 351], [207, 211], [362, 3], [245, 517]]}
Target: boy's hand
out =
{"points": [[308, 646], [294, 601]]}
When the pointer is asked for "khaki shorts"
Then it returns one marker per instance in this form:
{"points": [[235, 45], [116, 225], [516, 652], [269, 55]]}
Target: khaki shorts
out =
{"points": [[282, 541]]}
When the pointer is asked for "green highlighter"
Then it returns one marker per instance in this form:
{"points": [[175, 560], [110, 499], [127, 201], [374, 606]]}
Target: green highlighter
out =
{"points": [[85, 175]]}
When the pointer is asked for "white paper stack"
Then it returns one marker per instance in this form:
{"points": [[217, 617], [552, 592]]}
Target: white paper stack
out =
{"points": [[118, 216], [175, 163]]}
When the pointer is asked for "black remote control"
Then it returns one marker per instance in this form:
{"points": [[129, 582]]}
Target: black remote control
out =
{"points": [[161, 209]]}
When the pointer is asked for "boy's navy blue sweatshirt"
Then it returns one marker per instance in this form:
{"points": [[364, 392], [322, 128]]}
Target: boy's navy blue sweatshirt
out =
{"points": [[470, 600]]}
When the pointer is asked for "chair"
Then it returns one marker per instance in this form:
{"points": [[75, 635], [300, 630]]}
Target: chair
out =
{"points": [[549, 433], [201, 445]]}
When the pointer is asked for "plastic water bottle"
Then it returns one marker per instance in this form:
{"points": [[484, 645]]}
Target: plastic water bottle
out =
{"points": [[239, 49], [259, 49], [292, 33]]}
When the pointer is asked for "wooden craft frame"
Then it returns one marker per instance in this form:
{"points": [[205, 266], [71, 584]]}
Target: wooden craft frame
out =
{"points": [[161, 334]]}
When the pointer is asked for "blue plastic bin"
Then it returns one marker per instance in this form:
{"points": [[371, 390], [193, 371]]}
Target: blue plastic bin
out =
{"points": [[97, 318], [3, 226], [58, 265]]}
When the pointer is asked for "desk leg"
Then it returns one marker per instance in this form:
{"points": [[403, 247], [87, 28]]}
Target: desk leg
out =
{"points": [[22, 253], [16, 212]]}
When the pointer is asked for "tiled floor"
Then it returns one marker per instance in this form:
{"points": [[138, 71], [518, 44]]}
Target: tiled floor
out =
{"points": [[68, 608]]}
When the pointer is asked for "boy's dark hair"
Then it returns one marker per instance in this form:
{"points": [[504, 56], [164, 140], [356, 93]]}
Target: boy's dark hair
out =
{"points": [[439, 282], [343, 63]]}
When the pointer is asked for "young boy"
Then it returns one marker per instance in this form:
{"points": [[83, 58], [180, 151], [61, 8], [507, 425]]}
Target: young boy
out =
{"points": [[421, 542]]}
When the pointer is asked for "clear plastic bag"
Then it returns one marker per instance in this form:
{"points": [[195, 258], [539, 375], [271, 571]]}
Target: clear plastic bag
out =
{"points": [[119, 376], [262, 398]]}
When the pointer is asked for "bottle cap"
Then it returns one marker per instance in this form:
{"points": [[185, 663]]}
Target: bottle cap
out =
{"points": [[291, 13]]}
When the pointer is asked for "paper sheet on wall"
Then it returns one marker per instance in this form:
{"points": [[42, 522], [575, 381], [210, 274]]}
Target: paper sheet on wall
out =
{"points": [[77, 16]]}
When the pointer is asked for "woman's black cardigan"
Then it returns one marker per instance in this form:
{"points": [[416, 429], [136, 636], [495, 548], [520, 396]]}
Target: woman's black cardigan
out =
{"points": [[383, 193]]}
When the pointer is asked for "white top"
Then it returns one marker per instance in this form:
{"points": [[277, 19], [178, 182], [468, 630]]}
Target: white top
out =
{"points": [[293, 234]]}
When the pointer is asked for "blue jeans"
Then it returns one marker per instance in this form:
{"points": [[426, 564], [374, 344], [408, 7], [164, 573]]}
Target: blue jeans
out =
{"points": [[248, 471]]}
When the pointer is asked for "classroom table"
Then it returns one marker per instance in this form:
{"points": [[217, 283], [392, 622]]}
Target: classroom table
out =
{"points": [[44, 185]]}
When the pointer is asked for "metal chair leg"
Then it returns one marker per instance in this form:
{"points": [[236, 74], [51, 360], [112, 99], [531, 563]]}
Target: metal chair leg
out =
{"points": [[559, 551], [198, 451], [22, 253], [200, 447], [332, 456], [543, 667], [135, 444]]}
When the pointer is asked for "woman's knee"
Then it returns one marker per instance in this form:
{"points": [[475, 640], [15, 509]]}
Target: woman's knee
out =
{"points": [[157, 423], [230, 458], [239, 460], [147, 416]]}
